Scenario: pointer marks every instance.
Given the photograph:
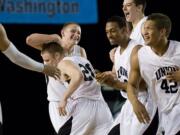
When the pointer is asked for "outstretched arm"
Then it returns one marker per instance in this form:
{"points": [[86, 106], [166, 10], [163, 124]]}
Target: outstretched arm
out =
{"points": [[7, 47], [133, 84], [36, 40]]}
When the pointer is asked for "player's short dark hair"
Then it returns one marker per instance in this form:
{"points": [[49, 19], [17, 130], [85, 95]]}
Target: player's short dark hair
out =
{"points": [[141, 2], [121, 21], [69, 23], [162, 21], [52, 47]]}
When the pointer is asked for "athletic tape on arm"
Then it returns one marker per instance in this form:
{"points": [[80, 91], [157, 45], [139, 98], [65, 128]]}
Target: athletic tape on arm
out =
{"points": [[22, 60]]}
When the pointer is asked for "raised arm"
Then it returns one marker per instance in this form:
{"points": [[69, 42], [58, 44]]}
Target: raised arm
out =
{"points": [[36, 40], [8, 49], [133, 84], [4, 41]]}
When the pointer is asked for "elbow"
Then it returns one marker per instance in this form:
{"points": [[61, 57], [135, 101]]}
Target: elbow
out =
{"points": [[29, 40], [78, 78]]}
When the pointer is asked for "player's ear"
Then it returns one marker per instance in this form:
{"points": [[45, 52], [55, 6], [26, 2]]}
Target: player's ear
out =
{"points": [[140, 7], [124, 29], [163, 31], [57, 55], [62, 33]]}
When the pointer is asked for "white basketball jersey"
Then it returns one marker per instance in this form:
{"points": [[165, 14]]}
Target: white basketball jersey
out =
{"points": [[76, 51], [89, 87], [56, 88], [122, 63], [154, 68], [136, 32]]}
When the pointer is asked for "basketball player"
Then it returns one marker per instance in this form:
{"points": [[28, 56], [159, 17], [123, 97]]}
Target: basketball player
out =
{"points": [[153, 62], [70, 37], [134, 14], [50, 53], [82, 101], [126, 122]]}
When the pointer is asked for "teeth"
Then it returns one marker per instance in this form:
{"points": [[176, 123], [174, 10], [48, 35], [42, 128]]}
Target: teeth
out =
{"points": [[126, 14]]}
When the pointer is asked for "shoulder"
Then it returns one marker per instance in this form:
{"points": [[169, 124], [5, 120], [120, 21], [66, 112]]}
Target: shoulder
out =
{"points": [[134, 44], [65, 64], [174, 42]]}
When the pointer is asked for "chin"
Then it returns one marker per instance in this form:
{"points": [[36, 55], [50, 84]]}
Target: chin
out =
{"points": [[112, 43], [147, 43], [128, 19], [76, 42]]}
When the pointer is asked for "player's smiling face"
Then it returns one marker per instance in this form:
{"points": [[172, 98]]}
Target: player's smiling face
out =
{"points": [[72, 34], [151, 34], [113, 33], [131, 10]]}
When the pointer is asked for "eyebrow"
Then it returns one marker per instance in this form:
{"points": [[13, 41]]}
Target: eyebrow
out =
{"points": [[128, 3]]}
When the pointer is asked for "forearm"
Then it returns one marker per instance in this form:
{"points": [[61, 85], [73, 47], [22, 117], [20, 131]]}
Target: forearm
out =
{"points": [[131, 93], [116, 84], [120, 85], [39, 39], [22, 60], [74, 84]]}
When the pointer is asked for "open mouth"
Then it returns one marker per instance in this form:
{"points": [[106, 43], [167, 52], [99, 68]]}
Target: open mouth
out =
{"points": [[127, 14], [146, 38]]}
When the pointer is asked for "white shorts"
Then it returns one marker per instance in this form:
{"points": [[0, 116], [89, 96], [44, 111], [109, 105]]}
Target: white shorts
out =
{"points": [[170, 121], [89, 117], [129, 124], [57, 120]]}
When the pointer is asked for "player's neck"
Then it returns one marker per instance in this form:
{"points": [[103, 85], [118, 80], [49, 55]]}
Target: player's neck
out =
{"points": [[124, 45], [161, 48], [137, 20]]}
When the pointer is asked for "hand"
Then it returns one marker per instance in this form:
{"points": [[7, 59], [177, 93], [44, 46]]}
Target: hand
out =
{"points": [[174, 76], [112, 53], [62, 106], [104, 77], [51, 71], [141, 112], [59, 39]]}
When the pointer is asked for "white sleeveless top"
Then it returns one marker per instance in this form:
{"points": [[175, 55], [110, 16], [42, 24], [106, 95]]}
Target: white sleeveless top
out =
{"points": [[122, 63], [136, 32], [154, 68], [76, 51], [56, 88], [89, 87]]}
